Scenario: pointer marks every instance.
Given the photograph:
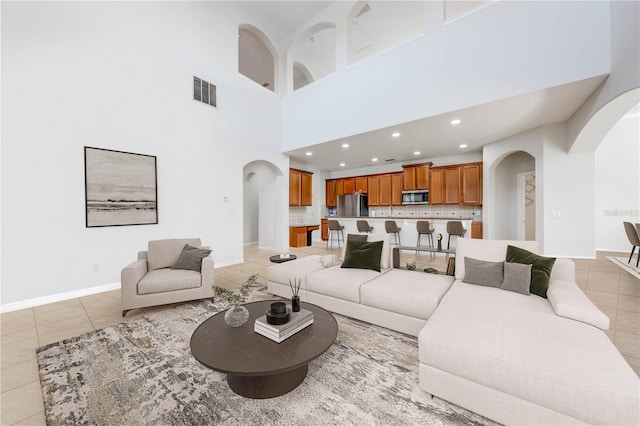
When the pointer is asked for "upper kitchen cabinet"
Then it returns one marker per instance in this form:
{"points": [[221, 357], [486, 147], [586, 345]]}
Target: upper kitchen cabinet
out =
{"points": [[396, 189], [373, 190], [416, 176], [349, 185], [331, 193], [436, 187], [300, 188], [361, 184], [471, 183], [384, 191], [452, 185]]}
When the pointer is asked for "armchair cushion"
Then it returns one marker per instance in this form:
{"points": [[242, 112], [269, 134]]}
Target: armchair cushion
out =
{"points": [[164, 280], [164, 253], [191, 258]]}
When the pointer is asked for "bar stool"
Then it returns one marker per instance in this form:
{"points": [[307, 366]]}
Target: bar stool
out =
{"points": [[454, 227], [363, 226], [392, 228], [334, 226], [424, 228]]}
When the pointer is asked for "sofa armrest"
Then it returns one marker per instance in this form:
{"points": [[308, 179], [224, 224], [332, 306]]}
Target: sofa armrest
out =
{"points": [[144, 254], [207, 272], [563, 269], [131, 276], [567, 300]]}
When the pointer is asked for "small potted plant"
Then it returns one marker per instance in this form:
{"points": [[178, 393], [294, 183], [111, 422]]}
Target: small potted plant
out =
{"points": [[237, 314]]}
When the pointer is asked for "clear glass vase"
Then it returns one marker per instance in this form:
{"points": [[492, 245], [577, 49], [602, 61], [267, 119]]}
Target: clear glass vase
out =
{"points": [[236, 316]]}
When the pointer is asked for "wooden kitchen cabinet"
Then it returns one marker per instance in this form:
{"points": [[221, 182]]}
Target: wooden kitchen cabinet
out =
{"points": [[373, 190], [436, 186], [300, 188], [340, 187], [331, 200], [396, 189], [416, 176], [384, 190], [452, 185], [324, 229], [349, 185], [361, 184], [476, 230], [306, 189], [471, 183]]}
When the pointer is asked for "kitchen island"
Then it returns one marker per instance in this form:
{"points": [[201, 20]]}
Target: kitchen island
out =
{"points": [[300, 235], [408, 232]]}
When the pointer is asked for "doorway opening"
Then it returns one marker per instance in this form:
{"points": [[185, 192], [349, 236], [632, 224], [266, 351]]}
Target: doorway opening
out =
{"points": [[527, 206]]}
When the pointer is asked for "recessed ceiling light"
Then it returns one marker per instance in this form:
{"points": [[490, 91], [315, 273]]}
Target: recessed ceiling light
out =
{"points": [[345, 145], [417, 153], [342, 164], [395, 135], [464, 145], [456, 121], [309, 153], [374, 159]]}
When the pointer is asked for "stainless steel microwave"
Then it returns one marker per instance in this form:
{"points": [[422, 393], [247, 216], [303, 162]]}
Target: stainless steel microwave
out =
{"points": [[420, 196]]}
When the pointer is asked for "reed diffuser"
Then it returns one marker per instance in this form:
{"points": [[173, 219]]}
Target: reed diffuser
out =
{"points": [[295, 289]]}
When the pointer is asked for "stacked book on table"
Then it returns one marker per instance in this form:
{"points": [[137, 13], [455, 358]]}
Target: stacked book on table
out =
{"points": [[278, 333]]}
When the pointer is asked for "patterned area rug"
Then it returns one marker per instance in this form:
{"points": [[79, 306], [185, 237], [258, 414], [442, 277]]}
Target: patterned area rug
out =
{"points": [[142, 372], [629, 267]]}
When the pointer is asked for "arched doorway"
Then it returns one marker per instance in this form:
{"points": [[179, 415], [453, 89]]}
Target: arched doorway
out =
{"points": [[257, 56], [263, 205], [515, 197]]}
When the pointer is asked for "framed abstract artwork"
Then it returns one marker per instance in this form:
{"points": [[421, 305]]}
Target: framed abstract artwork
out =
{"points": [[120, 188]]}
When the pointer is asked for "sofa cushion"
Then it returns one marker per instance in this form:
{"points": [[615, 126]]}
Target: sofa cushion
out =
{"points": [[567, 300], [521, 348], [517, 277], [163, 280], [385, 257], [491, 250], [411, 293], [191, 258], [281, 273], [164, 253], [482, 272], [540, 270], [340, 283], [363, 255]]}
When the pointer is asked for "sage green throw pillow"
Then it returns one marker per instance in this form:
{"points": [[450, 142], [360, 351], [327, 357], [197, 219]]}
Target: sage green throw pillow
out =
{"points": [[540, 268], [363, 255], [191, 258]]}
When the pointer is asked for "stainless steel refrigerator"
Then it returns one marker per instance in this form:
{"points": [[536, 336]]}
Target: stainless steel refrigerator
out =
{"points": [[353, 205]]}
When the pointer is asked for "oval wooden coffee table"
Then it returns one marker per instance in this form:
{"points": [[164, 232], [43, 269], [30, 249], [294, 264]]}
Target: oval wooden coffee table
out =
{"points": [[257, 367]]}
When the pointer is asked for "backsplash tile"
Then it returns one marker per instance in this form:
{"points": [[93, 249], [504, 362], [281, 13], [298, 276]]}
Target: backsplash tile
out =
{"points": [[418, 211]]}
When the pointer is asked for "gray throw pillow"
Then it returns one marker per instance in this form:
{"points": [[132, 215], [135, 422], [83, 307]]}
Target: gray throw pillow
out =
{"points": [[517, 277], [480, 272], [191, 258]]}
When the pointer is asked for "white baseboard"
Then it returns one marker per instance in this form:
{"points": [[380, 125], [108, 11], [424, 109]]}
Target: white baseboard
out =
{"points": [[217, 265], [30, 303]]}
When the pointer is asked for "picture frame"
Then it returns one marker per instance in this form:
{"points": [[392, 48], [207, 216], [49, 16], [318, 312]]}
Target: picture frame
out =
{"points": [[121, 188]]}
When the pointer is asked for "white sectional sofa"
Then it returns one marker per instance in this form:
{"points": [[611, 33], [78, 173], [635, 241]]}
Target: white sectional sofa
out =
{"points": [[514, 358]]}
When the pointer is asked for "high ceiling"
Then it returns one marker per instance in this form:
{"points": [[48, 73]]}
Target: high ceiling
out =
{"points": [[430, 136]]}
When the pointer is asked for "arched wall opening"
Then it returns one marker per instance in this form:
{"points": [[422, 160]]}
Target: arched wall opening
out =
{"points": [[510, 189], [301, 76], [263, 186], [315, 50], [257, 57]]}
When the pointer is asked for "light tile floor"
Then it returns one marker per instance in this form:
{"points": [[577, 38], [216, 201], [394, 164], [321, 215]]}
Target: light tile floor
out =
{"points": [[613, 290]]}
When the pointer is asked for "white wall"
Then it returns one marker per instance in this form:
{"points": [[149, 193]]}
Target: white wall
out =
{"points": [[430, 75], [118, 75], [617, 184], [569, 190]]}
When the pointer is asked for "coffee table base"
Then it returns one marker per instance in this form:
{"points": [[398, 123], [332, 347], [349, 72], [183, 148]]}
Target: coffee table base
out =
{"points": [[262, 387]]}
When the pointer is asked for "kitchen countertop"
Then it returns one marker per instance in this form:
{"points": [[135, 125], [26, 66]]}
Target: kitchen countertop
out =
{"points": [[303, 225], [404, 217]]}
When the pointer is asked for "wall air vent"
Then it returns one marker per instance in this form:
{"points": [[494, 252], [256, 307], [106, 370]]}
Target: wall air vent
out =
{"points": [[204, 91]]}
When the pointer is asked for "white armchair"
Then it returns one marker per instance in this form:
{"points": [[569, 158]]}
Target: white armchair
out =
{"points": [[150, 281]]}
